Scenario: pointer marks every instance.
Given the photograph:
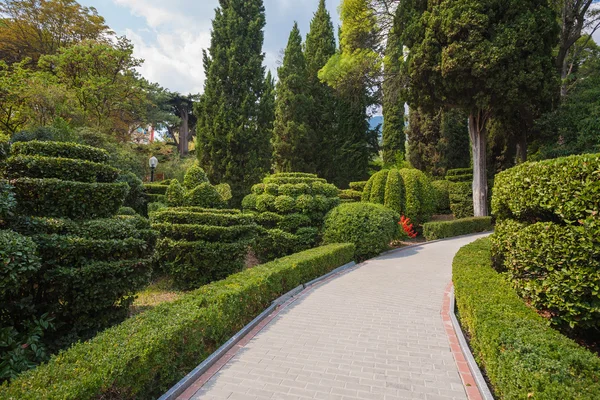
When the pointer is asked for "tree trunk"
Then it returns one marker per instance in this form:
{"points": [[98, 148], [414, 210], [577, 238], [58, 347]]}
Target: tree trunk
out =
{"points": [[184, 131], [478, 133], [521, 148]]}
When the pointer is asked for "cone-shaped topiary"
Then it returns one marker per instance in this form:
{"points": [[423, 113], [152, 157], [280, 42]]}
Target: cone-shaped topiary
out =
{"points": [[194, 176], [175, 194]]}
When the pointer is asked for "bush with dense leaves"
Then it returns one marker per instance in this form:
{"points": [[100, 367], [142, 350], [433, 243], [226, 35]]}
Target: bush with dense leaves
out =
{"points": [[60, 150], [203, 195], [175, 194], [63, 168], [290, 208], [458, 227], [358, 186], [144, 356], [136, 198], [194, 176], [198, 246], [460, 175], [7, 200], [441, 193], [522, 356], [461, 199], [371, 227], [547, 237], [350, 195]]}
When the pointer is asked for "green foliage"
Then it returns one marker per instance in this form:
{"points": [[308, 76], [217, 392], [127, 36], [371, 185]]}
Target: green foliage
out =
{"points": [[520, 353], [224, 191], [156, 188], [379, 186], [395, 196], [19, 263], [136, 198], [459, 171], [7, 200], [441, 193], [420, 201], [358, 186], [126, 211], [64, 168], [77, 200], [203, 195], [156, 206], [4, 147], [293, 147], [371, 227], [111, 361], [60, 150], [447, 229], [175, 194], [350, 195], [461, 199], [194, 177], [230, 149]]}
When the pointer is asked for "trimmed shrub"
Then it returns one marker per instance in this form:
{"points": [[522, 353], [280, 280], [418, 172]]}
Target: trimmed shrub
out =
{"points": [[156, 206], [460, 178], [379, 185], [459, 172], [293, 205], [371, 227], [225, 191], [175, 194], [60, 150], [194, 176], [420, 201], [4, 147], [156, 188], [156, 198], [19, 263], [395, 196], [547, 237], [206, 217], [63, 168], [447, 229], [7, 200], [441, 193], [203, 195], [522, 356], [76, 200], [147, 354], [358, 186], [350, 195], [126, 211], [461, 199], [136, 198]]}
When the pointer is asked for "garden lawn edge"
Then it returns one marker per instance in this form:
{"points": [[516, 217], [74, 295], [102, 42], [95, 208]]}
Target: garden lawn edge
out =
{"points": [[522, 355], [145, 355]]}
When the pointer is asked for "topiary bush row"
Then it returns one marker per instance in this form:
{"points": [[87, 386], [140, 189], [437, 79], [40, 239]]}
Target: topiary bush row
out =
{"points": [[91, 262], [350, 195], [290, 208], [547, 239], [460, 196], [522, 356], [465, 226], [147, 354]]}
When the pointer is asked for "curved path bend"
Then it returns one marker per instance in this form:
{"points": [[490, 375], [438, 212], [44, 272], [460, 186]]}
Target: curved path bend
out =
{"points": [[375, 332]]}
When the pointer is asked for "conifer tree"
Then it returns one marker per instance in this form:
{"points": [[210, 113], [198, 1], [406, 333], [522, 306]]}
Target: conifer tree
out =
{"points": [[393, 104], [266, 118], [292, 148], [231, 141], [320, 46]]}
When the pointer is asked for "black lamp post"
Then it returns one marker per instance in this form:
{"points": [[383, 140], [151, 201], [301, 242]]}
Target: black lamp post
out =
{"points": [[153, 164]]}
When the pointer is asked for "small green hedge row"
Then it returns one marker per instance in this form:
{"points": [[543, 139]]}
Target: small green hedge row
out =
{"points": [[67, 199], [459, 171], [60, 150], [371, 227], [358, 186], [465, 226], [441, 190], [523, 357], [566, 188], [63, 168], [7, 200], [461, 199], [155, 188], [460, 178], [200, 247], [350, 195], [284, 203], [145, 355], [117, 227]]}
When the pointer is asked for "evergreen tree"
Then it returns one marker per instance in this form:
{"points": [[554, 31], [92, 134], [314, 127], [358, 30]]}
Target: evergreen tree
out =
{"points": [[231, 141], [393, 103], [266, 118], [319, 48], [292, 147]]}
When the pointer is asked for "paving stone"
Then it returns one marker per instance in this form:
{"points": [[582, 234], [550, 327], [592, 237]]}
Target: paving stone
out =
{"points": [[374, 333]]}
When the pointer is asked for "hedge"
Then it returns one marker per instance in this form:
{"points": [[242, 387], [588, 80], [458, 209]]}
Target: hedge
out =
{"points": [[60, 150], [378, 189], [175, 194], [76, 200], [7, 200], [203, 195], [459, 171], [194, 176], [155, 188], [461, 199], [198, 217], [136, 198], [207, 232], [522, 356], [441, 190], [19, 260], [358, 186], [566, 188], [465, 226], [371, 227], [460, 178], [145, 355], [420, 201], [63, 168], [350, 195], [386, 187]]}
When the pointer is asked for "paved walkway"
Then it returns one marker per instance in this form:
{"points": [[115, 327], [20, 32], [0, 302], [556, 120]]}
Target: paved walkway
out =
{"points": [[373, 333]]}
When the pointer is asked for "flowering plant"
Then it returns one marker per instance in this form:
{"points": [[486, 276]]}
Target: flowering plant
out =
{"points": [[407, 226]]}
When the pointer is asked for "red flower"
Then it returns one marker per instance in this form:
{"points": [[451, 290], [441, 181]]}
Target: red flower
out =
{"points": [[407, 226]]}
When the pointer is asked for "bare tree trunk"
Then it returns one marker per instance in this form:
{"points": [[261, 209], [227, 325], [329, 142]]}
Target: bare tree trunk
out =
{"points": [[522, 148], [184, 132], [478, 133]]}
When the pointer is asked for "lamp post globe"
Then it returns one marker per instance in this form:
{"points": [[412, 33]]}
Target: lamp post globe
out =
{"points": [[153, 163]]}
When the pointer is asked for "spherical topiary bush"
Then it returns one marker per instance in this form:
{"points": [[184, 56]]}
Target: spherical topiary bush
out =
{"points": [[204, 195], [194, 177], [387, 188], [371, 227]]}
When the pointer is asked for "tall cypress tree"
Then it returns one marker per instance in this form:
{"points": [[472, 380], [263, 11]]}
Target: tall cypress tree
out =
{"points": [[292, 147], [319, 48], [393, 103], [266, 118], [231, 142]]}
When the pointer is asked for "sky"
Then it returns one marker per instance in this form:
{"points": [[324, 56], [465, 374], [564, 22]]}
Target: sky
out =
{"points": [[170, 35]]}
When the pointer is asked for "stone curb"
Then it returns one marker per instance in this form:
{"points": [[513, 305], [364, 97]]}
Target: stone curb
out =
{"points": [[180, 387]]}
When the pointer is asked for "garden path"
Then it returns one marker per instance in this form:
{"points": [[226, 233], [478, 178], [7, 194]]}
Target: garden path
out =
{"points": [[375, 332]]}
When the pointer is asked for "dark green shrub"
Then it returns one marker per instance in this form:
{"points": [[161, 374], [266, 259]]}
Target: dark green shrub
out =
{"points": [[293, 206], [350, 195], [156, 198], [193, 233], [447, 229], [126, 211], [459, 172], [441, 193], [42, 133], [358, 186], [156, 206], [371, 227], [460, 178], [420, 201], [224, 191], [461, 199], [64, 168], [19, 263], [4, 147], [206, 217], [7, 200], [60, 150], [203, 195], [175, 194], [194, 176], [395, 196], [523, 357], [379, 185], [156, 188], [76, 200], [136, 199]]}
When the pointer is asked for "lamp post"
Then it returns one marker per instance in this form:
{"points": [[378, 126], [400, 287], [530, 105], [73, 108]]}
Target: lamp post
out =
{"points": [[153, 163]]}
